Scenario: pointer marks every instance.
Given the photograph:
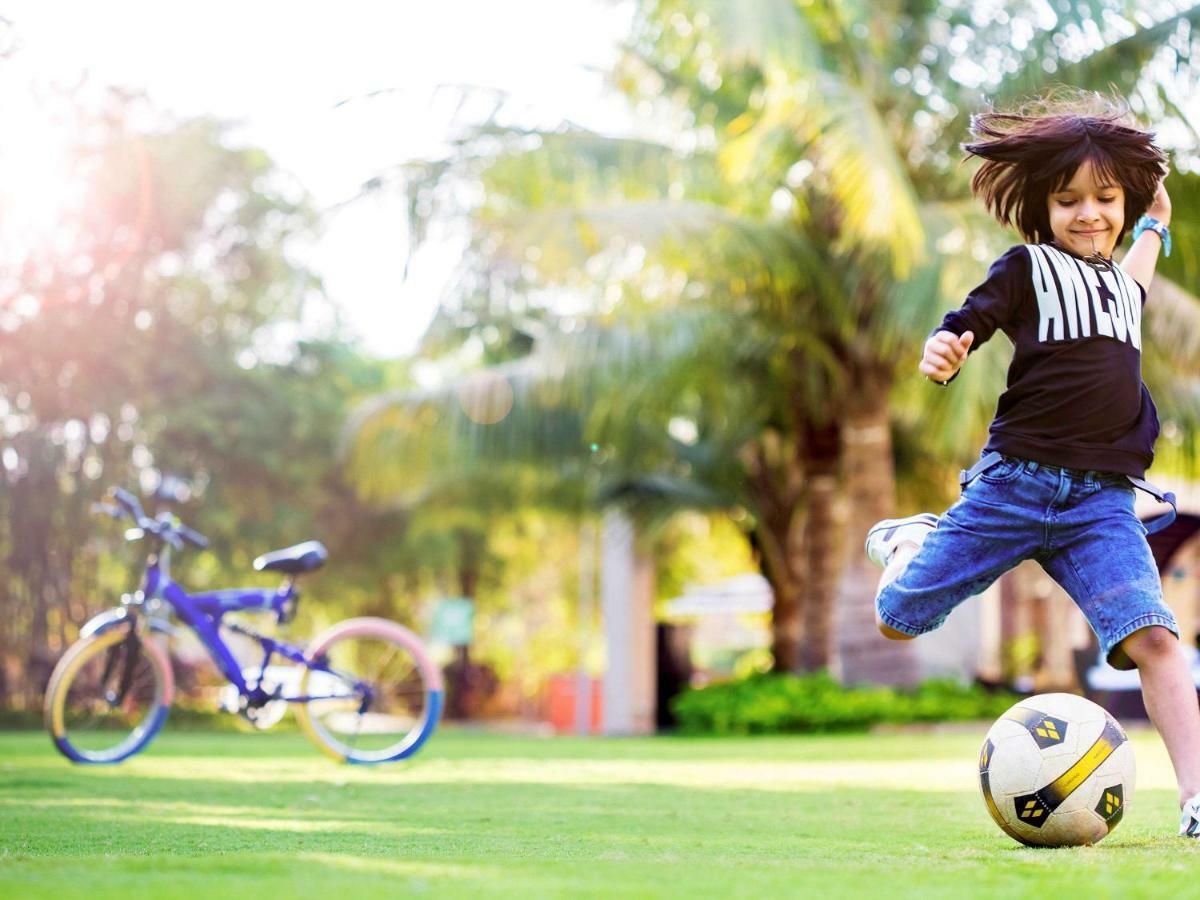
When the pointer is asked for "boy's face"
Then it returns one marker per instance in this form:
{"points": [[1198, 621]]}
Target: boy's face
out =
{"points": [[1086, 216]]}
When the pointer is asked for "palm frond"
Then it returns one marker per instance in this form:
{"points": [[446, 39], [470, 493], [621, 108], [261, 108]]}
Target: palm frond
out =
{"points": [[1121, 64], [656, 497], [763, 267], [1178, 400], [836, 125], [608, 391], [1183, 265], [962, 241], [1172, 325], [765, 33]]}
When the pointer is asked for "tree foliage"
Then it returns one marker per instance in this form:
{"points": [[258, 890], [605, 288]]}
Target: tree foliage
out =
{"points": [[153, 329]]}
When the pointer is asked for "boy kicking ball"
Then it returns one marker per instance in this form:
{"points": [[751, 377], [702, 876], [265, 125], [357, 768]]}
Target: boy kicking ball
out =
{"points": [[1074, 431]]}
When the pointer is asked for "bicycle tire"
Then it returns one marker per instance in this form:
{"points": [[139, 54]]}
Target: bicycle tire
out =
{"points": [[407, 692], [87, 727]]}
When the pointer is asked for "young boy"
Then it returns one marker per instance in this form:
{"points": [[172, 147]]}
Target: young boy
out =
{"points": [[1074, 430]]}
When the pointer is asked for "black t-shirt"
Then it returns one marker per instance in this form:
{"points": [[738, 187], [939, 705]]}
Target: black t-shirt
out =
{"points": [[1075, 396]]}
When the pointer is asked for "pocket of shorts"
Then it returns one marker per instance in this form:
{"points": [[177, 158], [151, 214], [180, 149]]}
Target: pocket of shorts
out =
{"points": [[1003, 472]]}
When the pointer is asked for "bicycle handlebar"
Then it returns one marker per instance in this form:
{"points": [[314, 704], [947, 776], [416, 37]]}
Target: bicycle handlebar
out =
{"points": [[128, 502], [166, 527], [107, 509], [195, 538]]}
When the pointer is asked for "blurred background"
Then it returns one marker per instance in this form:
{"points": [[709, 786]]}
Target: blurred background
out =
{"points": [[584, 334]]}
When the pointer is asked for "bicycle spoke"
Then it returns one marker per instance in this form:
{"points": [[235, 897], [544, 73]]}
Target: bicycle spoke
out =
{"points": [[382, 727], [379, 675], [357, 730]]}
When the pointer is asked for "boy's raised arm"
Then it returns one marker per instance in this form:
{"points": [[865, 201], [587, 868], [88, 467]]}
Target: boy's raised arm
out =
{"points": [[987, 308], [1140, 261]]}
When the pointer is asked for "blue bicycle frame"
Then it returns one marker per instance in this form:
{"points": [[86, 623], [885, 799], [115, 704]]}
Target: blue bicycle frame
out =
{"points": [[203, 614]]}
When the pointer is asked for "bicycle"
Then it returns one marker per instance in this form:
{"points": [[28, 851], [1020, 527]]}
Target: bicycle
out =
{"points": [[364, 690]]}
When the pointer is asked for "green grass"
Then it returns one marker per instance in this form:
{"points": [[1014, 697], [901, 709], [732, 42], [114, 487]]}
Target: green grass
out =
{"points": [[264, 816]]}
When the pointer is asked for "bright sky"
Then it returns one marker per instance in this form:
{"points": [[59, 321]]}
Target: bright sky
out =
{"points": [[282, 68]]}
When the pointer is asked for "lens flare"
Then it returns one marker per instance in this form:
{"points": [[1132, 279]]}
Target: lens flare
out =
{"points": [[486, 398]]}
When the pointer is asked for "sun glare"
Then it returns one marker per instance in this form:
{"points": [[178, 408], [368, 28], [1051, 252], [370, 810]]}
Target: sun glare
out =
{"points": [[37, 186]]}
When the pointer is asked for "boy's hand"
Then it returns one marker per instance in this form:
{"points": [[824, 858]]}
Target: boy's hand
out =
{"points": [[1160, 206], [944, 355]]}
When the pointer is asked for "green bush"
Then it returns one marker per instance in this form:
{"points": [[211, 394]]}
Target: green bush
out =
{"points": [[20, 719], [780, 704]]}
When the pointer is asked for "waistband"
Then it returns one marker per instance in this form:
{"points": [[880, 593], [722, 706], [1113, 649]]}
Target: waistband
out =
{"points": [[1085, 474], [1158, 523]]}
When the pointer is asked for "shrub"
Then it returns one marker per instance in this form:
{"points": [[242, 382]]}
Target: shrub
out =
{"points": [[781, 704]]}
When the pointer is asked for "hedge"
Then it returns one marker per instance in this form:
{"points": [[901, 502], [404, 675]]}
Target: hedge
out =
{"points": [[787, 704]]}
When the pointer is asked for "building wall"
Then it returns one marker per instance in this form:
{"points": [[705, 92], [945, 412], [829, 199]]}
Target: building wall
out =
{"points": [[956, 649]]}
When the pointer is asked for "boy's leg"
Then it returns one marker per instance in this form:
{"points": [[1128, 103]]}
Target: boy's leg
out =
{"points": [[996, 524], [900, 559], [1102, 559], [1170, 697]]}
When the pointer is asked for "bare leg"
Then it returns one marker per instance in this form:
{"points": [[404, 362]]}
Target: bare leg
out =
{"points": [[1170, 697], [898, 563]]}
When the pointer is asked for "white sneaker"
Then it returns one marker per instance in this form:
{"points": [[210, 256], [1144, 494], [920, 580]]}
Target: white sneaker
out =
{"points": [[1189, 822], [884, 537]]}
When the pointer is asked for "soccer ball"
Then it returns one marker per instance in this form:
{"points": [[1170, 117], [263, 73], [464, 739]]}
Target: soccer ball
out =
{"points": [[1056, 770]]}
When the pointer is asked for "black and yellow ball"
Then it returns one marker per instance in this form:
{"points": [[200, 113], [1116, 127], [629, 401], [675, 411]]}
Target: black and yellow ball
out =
{"points": [[1056, 770]]}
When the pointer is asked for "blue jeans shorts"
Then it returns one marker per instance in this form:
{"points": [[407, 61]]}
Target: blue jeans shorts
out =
{"points": [[1080, 526]]}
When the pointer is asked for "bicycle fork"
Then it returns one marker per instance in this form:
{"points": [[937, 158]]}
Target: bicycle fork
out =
{"points": [[132, 648]]}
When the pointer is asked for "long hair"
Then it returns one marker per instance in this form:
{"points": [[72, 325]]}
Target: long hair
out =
{"points": [[1030, 154]]}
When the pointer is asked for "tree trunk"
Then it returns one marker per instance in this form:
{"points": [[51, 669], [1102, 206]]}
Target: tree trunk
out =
{"points": [[822, 557], [775, 482], [787, 586], [824, 554], [471, 545], [864, 655]]}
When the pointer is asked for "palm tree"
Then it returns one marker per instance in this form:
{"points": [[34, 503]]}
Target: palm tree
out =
{"points": [[807, 189], [880, 115]]}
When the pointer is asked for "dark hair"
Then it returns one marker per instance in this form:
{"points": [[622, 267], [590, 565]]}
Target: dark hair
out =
{"points": [[1030, 154]]}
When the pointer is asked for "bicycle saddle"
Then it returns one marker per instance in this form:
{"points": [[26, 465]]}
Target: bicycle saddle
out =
{"points": [[293, 560]]}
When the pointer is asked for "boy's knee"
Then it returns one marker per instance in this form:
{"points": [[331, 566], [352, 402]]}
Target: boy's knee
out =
{"points": [[1149, 644]]}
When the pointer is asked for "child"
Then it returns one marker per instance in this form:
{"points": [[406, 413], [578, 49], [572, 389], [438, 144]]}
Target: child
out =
{"points": [[1074, 431]]}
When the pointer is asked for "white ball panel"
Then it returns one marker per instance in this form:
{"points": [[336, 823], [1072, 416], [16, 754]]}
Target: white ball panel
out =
{"points": [[1016, 764]]}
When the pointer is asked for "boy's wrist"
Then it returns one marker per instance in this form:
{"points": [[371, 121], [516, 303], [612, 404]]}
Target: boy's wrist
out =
{"points": [[1160, 228]]}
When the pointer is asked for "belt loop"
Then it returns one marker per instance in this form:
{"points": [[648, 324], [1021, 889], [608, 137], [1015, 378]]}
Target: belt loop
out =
{"points": [[1031, 466], [966, 476], [1064, 486]]}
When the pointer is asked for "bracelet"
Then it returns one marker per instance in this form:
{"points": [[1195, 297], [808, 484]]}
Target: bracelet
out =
{"points": [[1149, 223]]}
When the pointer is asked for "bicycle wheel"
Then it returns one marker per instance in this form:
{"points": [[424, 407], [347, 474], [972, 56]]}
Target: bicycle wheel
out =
{"points": [[376, 695], [108, 696]]}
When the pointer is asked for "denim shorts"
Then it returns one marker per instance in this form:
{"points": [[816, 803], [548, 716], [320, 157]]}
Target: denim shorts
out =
{"points": [[1080, 526]]}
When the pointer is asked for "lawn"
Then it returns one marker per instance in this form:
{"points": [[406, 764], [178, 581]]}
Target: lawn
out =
{"points": [[479, 815]]}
